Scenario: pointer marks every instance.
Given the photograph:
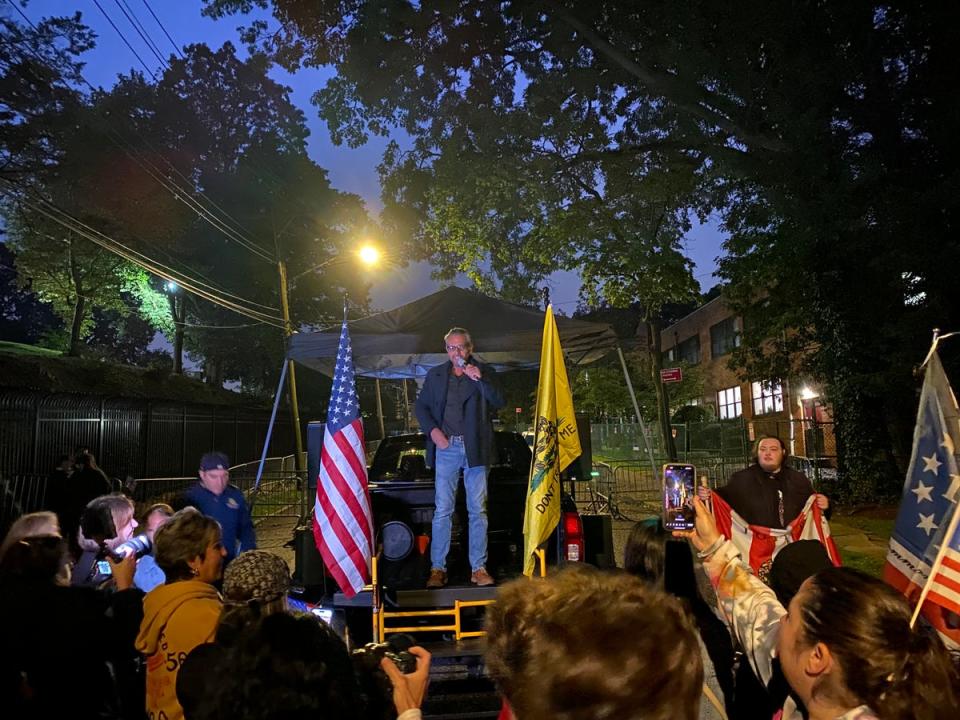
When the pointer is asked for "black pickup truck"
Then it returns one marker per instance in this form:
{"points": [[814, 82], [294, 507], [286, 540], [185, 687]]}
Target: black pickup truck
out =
{"points": [[402, 495]]}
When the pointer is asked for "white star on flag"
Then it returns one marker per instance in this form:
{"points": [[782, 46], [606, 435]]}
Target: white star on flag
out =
{"points": [[922, 491], [927, 524], [931, 464]]}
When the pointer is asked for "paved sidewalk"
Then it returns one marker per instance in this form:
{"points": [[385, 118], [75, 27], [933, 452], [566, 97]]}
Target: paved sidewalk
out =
{"points": [[276, 536]]}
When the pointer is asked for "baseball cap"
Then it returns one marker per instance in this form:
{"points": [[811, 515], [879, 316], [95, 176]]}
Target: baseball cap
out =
{"points": [[214, 461]]}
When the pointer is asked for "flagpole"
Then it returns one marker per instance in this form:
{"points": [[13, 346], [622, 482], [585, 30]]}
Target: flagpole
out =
{"points": [[944, 545], [937, 337]]}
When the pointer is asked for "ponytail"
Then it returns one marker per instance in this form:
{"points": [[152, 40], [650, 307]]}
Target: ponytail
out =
{"points": [[900, 673], [925, 687]]}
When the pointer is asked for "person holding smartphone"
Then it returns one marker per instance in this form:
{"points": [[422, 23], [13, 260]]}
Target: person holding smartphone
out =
{"points": [[106, 523], [844, 643], [768, 493]]}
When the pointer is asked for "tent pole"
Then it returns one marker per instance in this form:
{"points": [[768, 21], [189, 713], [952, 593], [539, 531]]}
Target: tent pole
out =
{"points": [[383, 434], [636, 410], [294, 403], [406, 406], [273, 418]]}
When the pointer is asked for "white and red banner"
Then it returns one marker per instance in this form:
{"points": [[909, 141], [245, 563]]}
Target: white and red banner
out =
{"points": [[759, 544]]}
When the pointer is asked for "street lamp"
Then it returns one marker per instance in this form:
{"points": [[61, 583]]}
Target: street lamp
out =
{"points": [[178, 311], [369, 256]]}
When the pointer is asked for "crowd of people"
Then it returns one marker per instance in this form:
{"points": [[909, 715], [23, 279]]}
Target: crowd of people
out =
{"points": [[189, 620]]}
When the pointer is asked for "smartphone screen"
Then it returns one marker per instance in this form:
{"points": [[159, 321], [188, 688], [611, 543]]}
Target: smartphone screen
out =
{"points": [[103, 567], [678, 492]]}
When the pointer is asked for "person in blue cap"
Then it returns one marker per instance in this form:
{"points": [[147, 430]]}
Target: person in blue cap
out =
{"points": [[213, 495]]}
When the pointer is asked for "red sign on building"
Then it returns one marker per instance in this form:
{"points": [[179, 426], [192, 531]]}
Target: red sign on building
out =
{"points": [[671, 375]]}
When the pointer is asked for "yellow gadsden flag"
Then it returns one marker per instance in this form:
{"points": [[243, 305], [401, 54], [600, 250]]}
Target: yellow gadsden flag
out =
{"points": [[557, 444]]}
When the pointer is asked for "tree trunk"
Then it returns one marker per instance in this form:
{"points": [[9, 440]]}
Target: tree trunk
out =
{"points": [[75, 326], [663, 401], [178, 312], [80, 306]]}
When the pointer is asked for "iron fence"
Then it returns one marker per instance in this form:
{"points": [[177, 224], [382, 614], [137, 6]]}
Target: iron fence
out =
{"points": [[130, 438]]}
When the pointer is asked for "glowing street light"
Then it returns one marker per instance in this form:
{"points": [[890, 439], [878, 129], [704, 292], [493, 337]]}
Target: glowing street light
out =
{"points": [[369, 255], [807, 394]]}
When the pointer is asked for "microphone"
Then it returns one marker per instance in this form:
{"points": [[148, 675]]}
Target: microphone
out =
{"points": [[460, 362]]}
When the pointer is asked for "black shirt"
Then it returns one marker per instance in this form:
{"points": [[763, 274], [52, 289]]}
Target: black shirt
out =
{"points": [[457, 392]]}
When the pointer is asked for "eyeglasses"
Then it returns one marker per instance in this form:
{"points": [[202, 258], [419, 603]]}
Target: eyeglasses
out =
{"points": [[461, 348]]}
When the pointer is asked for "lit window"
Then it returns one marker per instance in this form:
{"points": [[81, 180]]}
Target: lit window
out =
{"points": [[729, 403], [767, 397]]}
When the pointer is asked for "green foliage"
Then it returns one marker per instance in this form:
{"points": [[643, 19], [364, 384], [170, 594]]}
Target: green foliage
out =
{"points": [[601, 389], [205, 174], [61, 267]]}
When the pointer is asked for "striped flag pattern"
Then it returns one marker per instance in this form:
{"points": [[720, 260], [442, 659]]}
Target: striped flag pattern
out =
{"points": [[759, 544], [927, 507], [342, 518]]}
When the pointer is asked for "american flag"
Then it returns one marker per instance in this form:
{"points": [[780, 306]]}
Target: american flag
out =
{"points": [[759, 544], [342, 519], [927, 506]]}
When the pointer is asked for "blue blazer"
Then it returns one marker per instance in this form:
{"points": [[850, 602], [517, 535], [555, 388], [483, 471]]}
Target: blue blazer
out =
{"points": [[481, 404]]}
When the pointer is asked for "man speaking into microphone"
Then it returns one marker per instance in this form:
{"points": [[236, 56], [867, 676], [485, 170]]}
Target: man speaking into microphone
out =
{"points": [[455, 409]]}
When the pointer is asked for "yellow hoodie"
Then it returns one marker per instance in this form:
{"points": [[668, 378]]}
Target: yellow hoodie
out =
{"points": [[176, 618]]}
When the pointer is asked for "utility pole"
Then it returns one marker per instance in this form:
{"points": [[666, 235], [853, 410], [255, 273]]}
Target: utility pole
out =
{"points": [[294, 406], [178, 311]]}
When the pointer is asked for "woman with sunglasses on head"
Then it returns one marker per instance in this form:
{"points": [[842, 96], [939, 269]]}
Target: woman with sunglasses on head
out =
{"points": [[845, 644], [184, 611]]}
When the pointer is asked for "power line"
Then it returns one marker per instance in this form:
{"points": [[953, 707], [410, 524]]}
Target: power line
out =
{"points": [[126, 42], [135, 24], [247, 243], [175, 46], [183, 195], [221, 327], [167, 183], [68, 221]]}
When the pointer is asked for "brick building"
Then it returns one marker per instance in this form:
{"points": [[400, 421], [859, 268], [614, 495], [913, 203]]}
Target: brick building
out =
{"points": [[790, 409]]}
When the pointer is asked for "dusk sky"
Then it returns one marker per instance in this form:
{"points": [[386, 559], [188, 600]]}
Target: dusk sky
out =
{"points": [[350, 170]]}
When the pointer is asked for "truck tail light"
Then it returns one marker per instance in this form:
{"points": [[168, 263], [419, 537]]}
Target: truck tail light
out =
{"points": [[573, 537]]}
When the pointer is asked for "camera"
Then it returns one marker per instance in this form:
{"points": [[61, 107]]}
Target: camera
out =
{"points": [[138, 546], [369, 656]]}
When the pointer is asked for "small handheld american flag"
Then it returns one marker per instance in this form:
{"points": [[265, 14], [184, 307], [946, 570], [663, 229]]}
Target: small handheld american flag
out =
{"points": [[924, 536]]}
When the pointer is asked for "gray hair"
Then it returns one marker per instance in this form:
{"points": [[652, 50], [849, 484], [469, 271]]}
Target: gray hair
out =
{"points": [[458, 331]]}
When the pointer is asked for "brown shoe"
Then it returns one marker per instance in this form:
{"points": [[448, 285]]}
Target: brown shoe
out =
{"points": [[437, 579], [481, 578]]}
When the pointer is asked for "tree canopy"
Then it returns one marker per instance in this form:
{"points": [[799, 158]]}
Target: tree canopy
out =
{"points": [[201, 177], [824, 135]]}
